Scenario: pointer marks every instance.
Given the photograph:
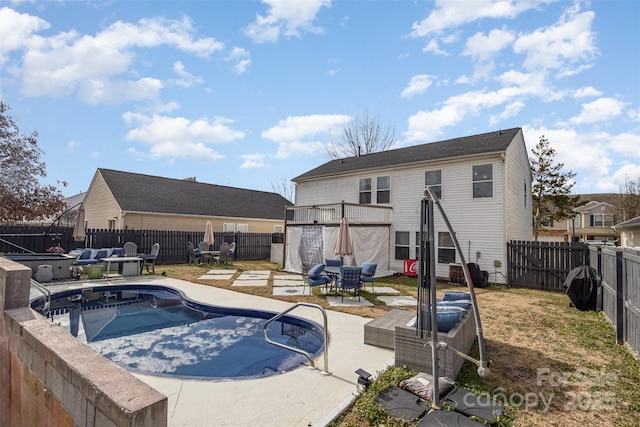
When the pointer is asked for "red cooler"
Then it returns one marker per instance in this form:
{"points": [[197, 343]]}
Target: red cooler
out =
{"points": [[410, 267]]}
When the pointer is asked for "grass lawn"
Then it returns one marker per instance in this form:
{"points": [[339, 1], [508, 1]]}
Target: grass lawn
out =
{"points": [[551, 364]]}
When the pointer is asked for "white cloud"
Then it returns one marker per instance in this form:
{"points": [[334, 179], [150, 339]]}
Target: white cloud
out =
{"points": [[600, 110], [433, 47], [118, 91], [586, 92], [428, 125], [69, 62], [186, 79], [590, 155], [240, 58], [418, 84], [483, 47], [452, 14], [72, 145], [253, 161], [288, 18], [175, 137], [561, 45], [299, 135], [17, 28], [511, 110]]}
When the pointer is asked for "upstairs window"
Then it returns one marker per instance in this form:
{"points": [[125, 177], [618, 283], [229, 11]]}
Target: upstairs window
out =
{"points": [[601, 220], [433, 179], [242, 228], [228, 227], [365, 191], [383, 189], [483, 181]]}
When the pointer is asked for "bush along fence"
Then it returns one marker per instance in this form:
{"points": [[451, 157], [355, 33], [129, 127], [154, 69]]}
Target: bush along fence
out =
{"points": [[173, 244], [619, 270]]}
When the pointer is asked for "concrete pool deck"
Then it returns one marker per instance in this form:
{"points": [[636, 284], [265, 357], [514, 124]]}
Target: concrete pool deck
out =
{"points": [[302, 397]]}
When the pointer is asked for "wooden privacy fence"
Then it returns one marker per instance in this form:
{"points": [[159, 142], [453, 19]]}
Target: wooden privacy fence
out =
{"points": [[173, 244], [619, 270], [543, 265]]}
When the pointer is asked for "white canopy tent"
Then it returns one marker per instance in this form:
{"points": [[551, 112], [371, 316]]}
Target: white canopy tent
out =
{"points": [[313, 244]]}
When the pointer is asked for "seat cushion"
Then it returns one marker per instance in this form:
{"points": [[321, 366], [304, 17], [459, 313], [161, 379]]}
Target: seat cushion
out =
{"points": [[319, 281], [316, 271], [455, 295]]}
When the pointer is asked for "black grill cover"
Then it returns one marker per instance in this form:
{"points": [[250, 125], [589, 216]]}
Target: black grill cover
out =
{"points": [[582, 287]]}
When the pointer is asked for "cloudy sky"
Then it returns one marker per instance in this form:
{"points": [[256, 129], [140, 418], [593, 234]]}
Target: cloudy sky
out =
{"points": [[246, 93]]}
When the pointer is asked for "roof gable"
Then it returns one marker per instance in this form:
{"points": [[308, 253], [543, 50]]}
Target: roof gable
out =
{"points": [[492, 142], [146, 193]]}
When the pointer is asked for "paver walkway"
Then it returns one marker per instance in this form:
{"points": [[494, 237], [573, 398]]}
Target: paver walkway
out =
{"points": [[293, 284]]}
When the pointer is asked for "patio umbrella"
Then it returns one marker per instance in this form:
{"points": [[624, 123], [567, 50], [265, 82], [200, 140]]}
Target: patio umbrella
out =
{"points": [[208, 233], [343, 245], [79, 233]]}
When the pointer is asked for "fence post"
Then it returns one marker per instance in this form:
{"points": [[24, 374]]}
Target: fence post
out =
{"points": [[619, 299]]}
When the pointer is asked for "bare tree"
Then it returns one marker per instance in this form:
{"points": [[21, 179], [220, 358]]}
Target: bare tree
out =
{"points": [[285, 188], [551, 187], [22, 197], [628, 201], [362, 135]]}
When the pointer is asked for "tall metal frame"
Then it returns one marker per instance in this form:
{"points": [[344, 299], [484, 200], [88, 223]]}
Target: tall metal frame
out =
{"points": [[427, 297]]}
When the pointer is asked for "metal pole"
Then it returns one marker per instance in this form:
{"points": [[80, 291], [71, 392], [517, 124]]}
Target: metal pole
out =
{"points": [[483, 369]]}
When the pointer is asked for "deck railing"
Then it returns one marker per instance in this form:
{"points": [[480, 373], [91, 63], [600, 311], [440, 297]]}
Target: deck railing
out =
{"points": [[333, 213]]}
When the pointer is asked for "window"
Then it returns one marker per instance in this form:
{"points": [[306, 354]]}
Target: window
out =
{"points": [[278, 229], [525, 194], [228, 227], [483, 181], [417, 244], [402, 245], [575, 221], [243, 228], [365, 191], [546, 221], [111, 224], [446, 248], [433, 179], [601, 220], [383, 189]]}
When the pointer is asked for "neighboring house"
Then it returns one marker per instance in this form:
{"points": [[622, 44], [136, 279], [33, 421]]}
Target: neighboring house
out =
{"points": [[629, 233], [68, 218], [124, 200], [593, 222], [483, 182]]}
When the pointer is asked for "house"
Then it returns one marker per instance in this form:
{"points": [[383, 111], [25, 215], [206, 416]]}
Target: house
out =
{"points": [[593, 221], [629, 233], [483, 183], [125, 200]]}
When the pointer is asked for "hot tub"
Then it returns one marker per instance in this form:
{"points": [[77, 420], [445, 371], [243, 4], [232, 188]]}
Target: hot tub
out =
{"points": [[60, 263]]}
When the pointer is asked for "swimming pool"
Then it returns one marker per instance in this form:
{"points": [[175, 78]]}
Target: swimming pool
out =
{"points": [[157, 330]]}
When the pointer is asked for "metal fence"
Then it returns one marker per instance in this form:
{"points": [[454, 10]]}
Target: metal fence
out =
{"points": [[173, 244], [619, 270], [543, 265]]}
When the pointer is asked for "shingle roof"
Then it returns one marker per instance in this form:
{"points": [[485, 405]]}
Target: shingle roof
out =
{"points": [[145, 193], [633, 222], [491, 142]]}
